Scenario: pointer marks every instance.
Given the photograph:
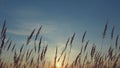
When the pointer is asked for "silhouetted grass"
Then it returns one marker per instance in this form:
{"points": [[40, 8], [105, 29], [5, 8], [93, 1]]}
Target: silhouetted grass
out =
{"points": [[25, 59]]}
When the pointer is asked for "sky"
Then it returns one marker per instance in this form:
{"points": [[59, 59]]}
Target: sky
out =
{"points": [[60, 19]]}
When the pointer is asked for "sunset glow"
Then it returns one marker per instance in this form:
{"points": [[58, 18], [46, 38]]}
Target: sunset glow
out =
{"points": [[58, 65]]}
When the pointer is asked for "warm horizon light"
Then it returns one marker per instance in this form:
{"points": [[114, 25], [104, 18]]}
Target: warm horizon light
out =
{"points": [[58, 65]]}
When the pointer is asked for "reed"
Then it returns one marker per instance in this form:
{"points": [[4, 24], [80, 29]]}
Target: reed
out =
{"points": [[25, 57]]}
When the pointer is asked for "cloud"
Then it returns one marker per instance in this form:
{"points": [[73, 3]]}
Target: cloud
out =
{"points": [[26, 28]]}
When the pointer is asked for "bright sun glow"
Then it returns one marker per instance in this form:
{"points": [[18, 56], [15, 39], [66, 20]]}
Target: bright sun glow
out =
{"points": [[58, 65]]}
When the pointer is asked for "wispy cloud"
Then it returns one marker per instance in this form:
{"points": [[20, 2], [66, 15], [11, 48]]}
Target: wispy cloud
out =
{"points": [[26, 28]]}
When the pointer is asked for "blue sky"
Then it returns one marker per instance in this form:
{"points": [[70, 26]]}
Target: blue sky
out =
{"points": [[60, 19]]}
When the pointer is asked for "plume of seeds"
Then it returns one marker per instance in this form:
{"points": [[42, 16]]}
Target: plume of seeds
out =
{"points": [[55, 57], [93, 51], [30, 53], [13, 47], [21, 48], [39, 44], [78, 56], [36, 36], [72, 38], [63, 50], [112, 32], [29, 38], [45, 50], [16, 59], [9, 45], [116, 42], [3, 28], [3, 42], [84, 36], [27, 54], [105, 29], [3, 34], [63, 60], [71, 41], [42, 54], [86, 45], [104, 33]]}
